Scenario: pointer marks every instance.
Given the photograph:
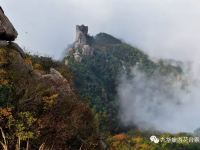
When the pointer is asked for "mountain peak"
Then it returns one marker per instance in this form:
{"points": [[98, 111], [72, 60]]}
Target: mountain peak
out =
{"points": [[104, 38]]}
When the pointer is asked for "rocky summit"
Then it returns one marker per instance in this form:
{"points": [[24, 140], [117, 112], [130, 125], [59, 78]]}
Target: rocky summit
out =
{"points": [[7, 30]]}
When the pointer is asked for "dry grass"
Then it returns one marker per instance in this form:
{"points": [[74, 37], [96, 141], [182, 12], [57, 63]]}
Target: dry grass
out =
{"points": [[4, 143]]}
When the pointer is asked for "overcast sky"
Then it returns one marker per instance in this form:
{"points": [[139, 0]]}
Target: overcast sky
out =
{"points": [[161, 28]]}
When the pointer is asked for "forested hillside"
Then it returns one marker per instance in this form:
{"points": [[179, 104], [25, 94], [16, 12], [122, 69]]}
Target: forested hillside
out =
{"points": [[39, 105], [97, 75], [73, 104]]}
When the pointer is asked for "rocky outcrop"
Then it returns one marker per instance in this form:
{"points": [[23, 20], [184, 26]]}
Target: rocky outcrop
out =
{"points": [[13, 45], [10, 57], [7, 30], [77, 56], [58, 82], [17, 48], [87, 50]]}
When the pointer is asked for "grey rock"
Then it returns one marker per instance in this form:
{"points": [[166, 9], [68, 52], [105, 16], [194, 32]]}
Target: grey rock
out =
{"points": [[17, 48], [70, 51], [58, 82], [77, 57], [87, 50], [7, 30], [66, 62], [14, 46], [56, 73], [3, 43]]}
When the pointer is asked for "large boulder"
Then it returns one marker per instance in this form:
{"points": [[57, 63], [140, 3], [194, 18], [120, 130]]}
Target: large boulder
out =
{"points": [[7, 30]]}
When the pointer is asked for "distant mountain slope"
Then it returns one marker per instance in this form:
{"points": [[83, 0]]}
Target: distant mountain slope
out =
{"points": [[96, 74]]}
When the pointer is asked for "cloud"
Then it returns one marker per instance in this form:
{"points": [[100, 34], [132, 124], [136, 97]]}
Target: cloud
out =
{"points": [[167, 28], [161, 102], [48, 26]]}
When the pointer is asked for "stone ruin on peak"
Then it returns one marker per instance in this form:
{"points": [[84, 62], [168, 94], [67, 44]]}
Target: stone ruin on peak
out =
{"points": [[81, 35], [81, 46], [7, 30]]}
